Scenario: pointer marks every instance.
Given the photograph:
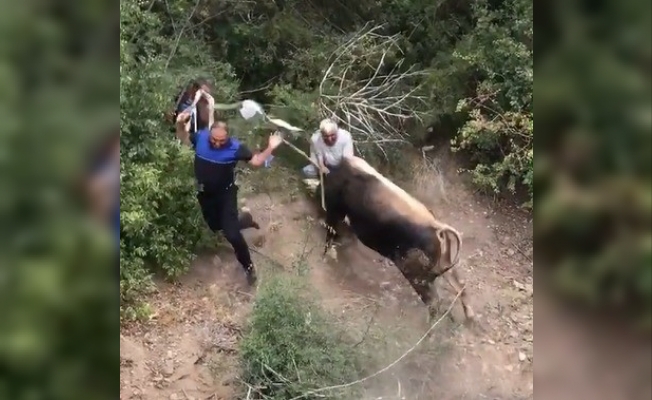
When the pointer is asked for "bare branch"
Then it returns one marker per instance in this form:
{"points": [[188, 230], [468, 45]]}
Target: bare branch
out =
{"points": [[176, 42], [367, 88]]}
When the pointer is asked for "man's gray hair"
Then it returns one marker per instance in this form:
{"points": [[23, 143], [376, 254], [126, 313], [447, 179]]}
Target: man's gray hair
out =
{"points": [[328, 126]]}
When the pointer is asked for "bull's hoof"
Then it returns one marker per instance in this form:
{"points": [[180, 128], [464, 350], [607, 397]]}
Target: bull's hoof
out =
{"points": [[434, 313], [469, 313], [331, 252], [437, 311]]}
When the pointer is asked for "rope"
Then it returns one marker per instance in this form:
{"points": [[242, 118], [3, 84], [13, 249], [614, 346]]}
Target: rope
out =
{"points": [[227, 107], [390, 366]]}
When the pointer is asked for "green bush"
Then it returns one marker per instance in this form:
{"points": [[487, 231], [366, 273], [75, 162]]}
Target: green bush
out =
{"points": [[292, 347], [499, 134], [161, 224], [593, 191]]}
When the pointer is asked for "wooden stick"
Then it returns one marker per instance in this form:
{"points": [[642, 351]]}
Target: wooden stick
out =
{"points": [[298, 150], [321, 173], [321, 182]]}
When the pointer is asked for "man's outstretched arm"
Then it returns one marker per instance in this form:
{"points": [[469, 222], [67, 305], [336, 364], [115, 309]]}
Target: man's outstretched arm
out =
{"points": [[258, 159]]}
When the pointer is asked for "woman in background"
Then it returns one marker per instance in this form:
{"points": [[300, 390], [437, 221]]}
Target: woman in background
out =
{"points": [[102, 183], [201, 113]]}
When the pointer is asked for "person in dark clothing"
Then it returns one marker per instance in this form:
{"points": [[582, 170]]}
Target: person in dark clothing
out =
{"points": [[216, 155], [202, 112], [102, 182]]}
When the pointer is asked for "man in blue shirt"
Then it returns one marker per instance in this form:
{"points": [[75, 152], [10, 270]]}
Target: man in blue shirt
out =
{"points": [[216, 155]]}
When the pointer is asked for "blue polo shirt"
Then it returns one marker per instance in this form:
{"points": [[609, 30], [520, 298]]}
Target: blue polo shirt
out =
{"points": [[215, 167]]}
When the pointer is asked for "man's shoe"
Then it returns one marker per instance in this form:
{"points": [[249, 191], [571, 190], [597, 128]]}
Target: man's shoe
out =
{"points": [[247, 220]]}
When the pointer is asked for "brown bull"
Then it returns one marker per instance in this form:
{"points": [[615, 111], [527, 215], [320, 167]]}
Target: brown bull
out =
{"points": [[389, 221]]}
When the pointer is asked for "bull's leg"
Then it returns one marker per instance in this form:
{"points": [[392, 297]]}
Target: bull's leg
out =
{"points": [[334, 216], [434, 306], [422, 281], [427, 291], [423, 290], [452, 277]]}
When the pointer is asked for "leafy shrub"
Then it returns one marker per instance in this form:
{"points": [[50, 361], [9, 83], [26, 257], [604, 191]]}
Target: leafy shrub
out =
{"points": [[500, 131], [291, 346], [161, 224], [593, 191]]}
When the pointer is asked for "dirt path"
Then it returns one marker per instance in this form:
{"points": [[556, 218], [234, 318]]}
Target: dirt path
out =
{"points": [[187, 351]]}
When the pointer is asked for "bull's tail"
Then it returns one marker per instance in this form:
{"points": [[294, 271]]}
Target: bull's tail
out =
{"points": [[446, 236]]}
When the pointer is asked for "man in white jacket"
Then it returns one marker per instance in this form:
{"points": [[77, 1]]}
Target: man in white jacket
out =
{"points": [[327, 148]]}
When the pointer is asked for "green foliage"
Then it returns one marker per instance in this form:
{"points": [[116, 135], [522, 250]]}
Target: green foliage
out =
{"points": [[160, 221], [58, 271], [500, 131], [297, 107], [292, 347], [593, 192]]}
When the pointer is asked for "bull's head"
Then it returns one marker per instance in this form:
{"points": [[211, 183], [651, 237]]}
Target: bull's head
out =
{"points": [[449, 256], [444, 233]]}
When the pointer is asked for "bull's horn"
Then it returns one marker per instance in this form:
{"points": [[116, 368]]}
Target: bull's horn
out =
{"points": [[444, 237]]}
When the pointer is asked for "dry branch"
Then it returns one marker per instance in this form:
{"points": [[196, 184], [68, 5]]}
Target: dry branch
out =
{"points": [[367, 88]]}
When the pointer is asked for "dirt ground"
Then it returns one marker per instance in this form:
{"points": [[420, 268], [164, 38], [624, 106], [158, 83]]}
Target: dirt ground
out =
{"points": [[188, 349]]}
